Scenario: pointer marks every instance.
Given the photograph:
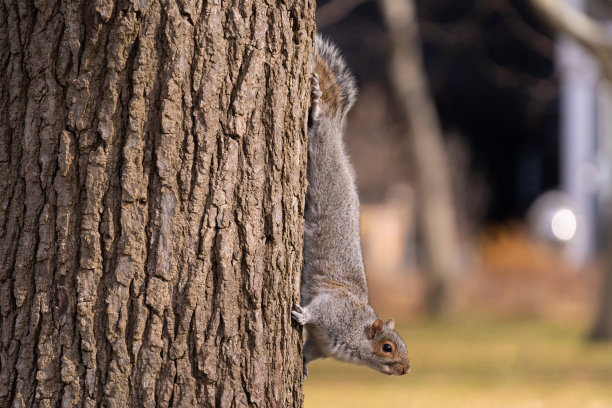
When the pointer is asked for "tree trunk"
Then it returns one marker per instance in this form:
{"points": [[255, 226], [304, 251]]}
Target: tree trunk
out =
{"points": [[153, 161], [432, 181], [602, 327]]}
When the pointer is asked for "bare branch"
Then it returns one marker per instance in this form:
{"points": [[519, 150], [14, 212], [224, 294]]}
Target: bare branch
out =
{"points": [[523, 31], [580, 27], [335, 11]]}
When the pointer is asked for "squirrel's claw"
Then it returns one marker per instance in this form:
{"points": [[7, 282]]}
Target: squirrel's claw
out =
{"points": [[316, 91], [315, 98], [300, 315]]}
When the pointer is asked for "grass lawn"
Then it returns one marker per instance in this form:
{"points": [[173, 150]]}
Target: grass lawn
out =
{"points": [[476, 363]]}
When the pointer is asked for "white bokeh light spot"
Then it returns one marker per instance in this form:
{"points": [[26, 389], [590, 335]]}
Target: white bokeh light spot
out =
{"points": [[563, 224]]}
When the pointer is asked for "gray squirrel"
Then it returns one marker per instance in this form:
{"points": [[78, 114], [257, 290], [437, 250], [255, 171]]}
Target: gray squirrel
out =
{"points": [[335, 309]]}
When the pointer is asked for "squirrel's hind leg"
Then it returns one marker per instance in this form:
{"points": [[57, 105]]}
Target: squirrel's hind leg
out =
{"points": [[315, 99]]}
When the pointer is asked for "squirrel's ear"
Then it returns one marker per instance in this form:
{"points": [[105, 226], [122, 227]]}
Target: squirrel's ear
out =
{"points": [[375, 328], [390, 324]]}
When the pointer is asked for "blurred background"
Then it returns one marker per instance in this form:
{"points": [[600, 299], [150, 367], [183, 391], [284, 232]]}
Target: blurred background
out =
{"points": [[482, 144]]}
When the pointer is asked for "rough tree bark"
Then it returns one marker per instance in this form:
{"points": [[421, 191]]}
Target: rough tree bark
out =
{"points": [[152, 161]]}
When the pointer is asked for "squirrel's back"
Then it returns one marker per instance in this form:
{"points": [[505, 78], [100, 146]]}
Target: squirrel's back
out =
{"points": [[337, 85], [332, 249]]}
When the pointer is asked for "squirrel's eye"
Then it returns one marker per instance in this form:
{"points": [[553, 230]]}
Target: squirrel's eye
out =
{"points": [[387, 348]]}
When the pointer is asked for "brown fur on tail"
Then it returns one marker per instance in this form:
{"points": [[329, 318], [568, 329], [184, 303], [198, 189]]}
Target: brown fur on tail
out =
{"points": [[336, 82]]}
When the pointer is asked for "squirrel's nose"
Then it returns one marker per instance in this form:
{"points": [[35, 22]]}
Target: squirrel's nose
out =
{"points": [[405, 369]]}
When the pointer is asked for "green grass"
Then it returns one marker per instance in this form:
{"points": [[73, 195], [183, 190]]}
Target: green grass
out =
{"points": [[476, 363]]}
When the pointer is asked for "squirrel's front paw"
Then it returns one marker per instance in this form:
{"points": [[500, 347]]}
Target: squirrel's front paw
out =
{"points": [[300, 315], [315, 98]]}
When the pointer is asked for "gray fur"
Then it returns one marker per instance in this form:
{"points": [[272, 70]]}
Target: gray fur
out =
{"points": [[335, 308]]}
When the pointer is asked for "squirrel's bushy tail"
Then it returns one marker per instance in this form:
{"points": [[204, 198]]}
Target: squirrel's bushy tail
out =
{"points": [[336, 82]]}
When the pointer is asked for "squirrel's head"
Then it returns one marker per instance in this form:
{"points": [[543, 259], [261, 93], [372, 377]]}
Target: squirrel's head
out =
{"points": [[389, 354]]}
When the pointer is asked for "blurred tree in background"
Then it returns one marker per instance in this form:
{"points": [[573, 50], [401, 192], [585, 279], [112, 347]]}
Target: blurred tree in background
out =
{"points": [[435, 210]]}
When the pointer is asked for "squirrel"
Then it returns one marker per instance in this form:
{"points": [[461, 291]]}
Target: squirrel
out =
{"points": [[335, 308]]}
